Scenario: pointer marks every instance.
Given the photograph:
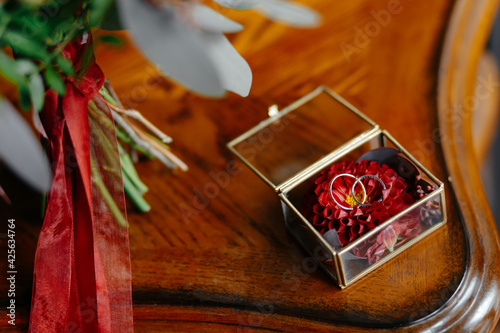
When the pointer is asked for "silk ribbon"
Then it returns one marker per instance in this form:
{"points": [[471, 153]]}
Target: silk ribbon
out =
{"points": [[82, 280]]}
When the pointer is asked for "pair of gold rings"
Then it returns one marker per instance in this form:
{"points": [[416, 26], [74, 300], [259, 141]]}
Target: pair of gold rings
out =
{"points": [[358, 180]]}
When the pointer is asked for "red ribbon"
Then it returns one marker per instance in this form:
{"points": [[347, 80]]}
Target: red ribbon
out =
{"points": [[82, 280]]}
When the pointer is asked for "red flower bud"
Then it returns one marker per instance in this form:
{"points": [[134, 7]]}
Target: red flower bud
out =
{"points": [[319, 208]]}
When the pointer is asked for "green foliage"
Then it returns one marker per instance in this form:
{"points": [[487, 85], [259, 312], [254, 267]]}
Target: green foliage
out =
{"points": [[8, 68], [98, 11], [25, 67], [37, 31], [26, 47], [65, 65], [24, 95], [54, 81], [110, 39], [37, 91], [25, 75]]}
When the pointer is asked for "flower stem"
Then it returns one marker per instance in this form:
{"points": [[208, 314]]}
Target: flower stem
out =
{"points": [[129, 170], [108, 199], [135, 195]]}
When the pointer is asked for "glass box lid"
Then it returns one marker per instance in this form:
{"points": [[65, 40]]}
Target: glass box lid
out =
{"points": [[313, 129]]}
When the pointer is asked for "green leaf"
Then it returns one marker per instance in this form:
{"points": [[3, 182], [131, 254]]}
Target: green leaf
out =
{"points": [[5, 17], [24, 96], [133, 193], [22, 45], [25, 67], [110, 39], [8, 68], [37, 91], [98, 10], [35, 28], [65, 65], [54, 81]]}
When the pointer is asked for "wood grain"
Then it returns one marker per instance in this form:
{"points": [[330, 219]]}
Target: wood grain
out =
{"points": [[214, 255]]}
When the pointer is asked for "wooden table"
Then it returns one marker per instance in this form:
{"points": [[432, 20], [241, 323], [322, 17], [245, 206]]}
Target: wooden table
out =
{"points": [[214, 255]]}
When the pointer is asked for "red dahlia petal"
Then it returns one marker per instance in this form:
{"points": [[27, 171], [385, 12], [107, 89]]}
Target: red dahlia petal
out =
{"points": [[321, 210]]}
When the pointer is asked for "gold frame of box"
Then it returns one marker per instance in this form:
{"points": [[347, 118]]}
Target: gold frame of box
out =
{"points": [[339, 273]]}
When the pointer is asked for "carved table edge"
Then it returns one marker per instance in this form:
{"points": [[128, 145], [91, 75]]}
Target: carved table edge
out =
{"points": [[474, 306]]}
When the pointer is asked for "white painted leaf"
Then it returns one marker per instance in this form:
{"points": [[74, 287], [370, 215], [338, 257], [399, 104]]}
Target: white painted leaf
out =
{"points": [[26, 67], [37, 91], [238, 4], [174, 46], [37, 122], [210, 20], [292, 14], [233, 70], [20, 150]]}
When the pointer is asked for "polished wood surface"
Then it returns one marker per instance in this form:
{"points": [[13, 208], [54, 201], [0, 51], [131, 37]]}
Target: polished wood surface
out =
{"points": [[457, 87], [214, 255]]}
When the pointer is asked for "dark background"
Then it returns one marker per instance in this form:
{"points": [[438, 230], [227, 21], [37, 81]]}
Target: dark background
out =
{"points": [[491, 171]]}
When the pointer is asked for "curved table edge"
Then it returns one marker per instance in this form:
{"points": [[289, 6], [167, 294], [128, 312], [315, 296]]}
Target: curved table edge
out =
{"points": [[474, 306]]}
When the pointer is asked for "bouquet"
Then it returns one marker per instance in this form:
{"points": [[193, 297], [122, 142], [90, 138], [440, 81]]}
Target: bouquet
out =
{"points": [[82, 279]]}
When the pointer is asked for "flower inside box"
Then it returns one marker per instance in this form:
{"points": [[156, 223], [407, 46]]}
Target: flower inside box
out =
{"points": [[350, 193]]}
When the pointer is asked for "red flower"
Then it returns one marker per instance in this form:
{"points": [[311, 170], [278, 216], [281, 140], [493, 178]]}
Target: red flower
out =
{"points": [[319, 208], [405, 228]]}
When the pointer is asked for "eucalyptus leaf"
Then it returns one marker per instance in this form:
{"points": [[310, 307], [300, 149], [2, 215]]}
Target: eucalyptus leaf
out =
{"points": [[33, 3], [292, 14], [37, 91], [210, 20], [111, 21], [24, 95], [26, 67], [8, 68], [25, 46], [239, 4], [65, 65], [233, 70], [98, 11], [34, 27], [37, 123], [172, 44], [5, 16], [54, 81], [20, 150], [110, 39]]}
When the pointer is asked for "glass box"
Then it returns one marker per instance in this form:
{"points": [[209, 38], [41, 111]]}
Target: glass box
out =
{"points": [[290, 149]]}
